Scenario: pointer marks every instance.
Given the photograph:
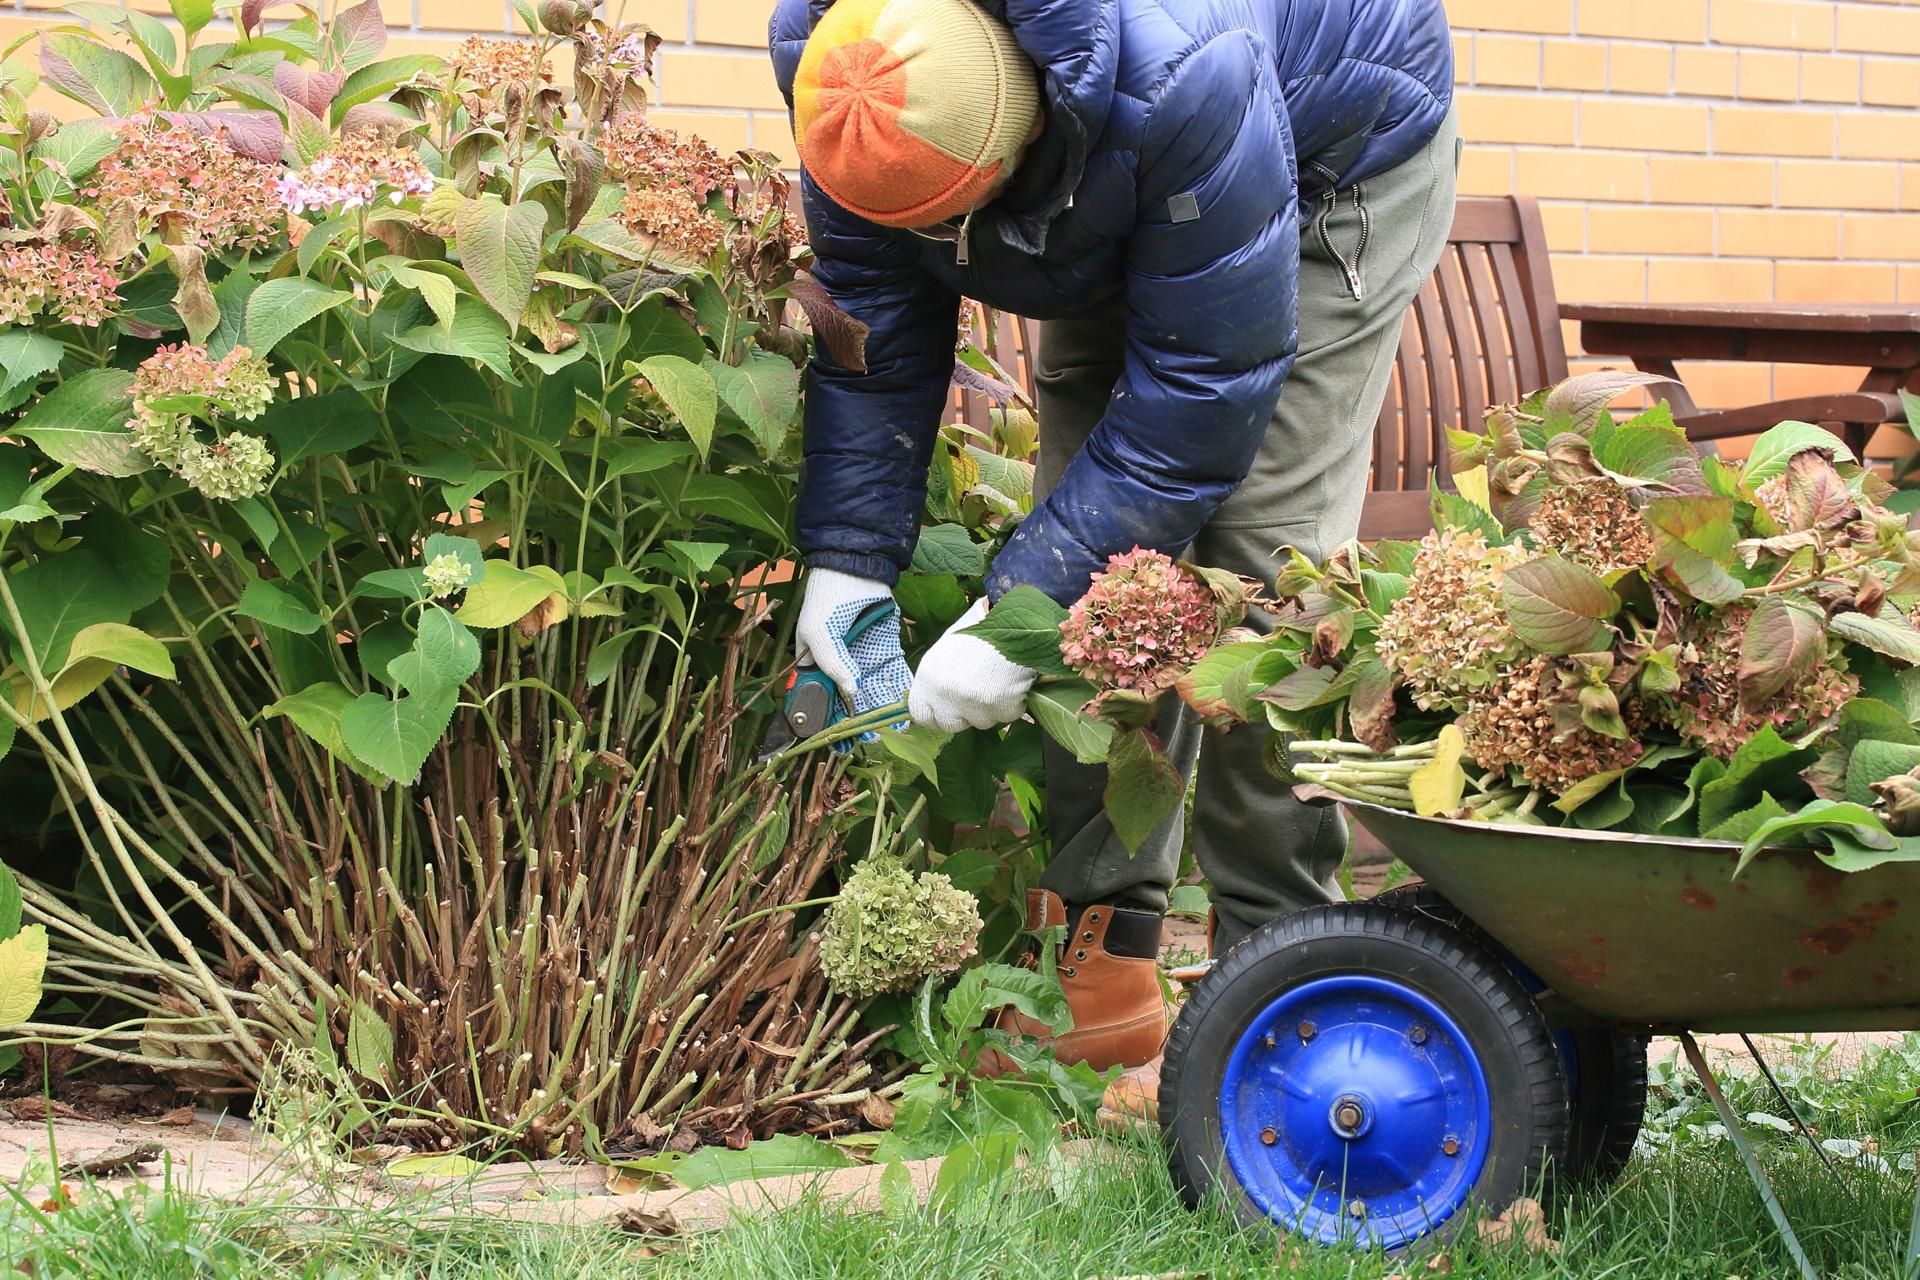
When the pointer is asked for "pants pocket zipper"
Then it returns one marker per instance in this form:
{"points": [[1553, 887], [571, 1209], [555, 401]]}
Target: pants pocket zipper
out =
{"points": [[1351, 269]]}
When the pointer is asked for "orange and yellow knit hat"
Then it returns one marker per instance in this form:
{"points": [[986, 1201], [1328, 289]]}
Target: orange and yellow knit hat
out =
{"points": [[907, 112]]}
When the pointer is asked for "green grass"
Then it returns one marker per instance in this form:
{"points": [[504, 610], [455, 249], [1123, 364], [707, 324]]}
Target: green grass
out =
{"points": [[1673, 1217], [1684, 1210]]}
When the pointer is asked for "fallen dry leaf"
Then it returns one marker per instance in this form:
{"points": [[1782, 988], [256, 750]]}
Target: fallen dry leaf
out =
{"points": [[645, 1222], [61, 1199], [379, 1153], [1524, 1222], [179, 1117], [37, 1107], [877, 1111], [623, 1182], [125, 1158]]}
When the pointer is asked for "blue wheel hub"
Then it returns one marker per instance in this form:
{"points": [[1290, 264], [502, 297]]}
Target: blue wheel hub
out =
{"points": [[1354, 1109]]}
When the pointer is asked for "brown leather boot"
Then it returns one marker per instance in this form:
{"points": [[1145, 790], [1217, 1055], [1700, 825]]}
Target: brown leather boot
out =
{"points": [[1109, 970]]}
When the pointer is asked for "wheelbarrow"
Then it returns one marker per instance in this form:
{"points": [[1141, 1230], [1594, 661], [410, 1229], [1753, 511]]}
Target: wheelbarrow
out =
{"points": [[1363, 1073]]}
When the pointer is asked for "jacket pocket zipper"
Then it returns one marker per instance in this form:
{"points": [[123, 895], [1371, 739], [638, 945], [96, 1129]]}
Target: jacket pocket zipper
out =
{"points": [[1351, 269]]}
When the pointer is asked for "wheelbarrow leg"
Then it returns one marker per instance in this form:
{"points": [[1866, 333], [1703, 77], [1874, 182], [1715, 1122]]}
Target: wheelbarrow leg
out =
{"points": [[1698, 1062]]}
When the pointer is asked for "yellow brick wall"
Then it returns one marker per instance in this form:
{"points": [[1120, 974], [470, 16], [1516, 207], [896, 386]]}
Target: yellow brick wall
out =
{"points": [[1685, 150], [1705, 150]]}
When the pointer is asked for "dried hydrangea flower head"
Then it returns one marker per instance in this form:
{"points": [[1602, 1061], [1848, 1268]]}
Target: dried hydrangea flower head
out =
{"points": [[192, 188], [1592, 523], [672, 222], [648, 156], [351, 174], [1142, 623], [1707, 709], [491, 67], [1771, 497], [1448, 635], [1517, 723], [889, 929], [68, 282], [177, 385]]}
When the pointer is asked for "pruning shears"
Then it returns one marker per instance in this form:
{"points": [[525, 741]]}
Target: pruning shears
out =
{"points": [[813, 703]]}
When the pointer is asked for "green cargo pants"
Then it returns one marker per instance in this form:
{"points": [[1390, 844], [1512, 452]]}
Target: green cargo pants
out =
{"points": [[1363, 257]]}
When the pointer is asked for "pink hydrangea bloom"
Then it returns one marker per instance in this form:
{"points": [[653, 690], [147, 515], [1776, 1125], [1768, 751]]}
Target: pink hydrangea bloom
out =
{"points": [[350, 175], [190, 187], [68, 282], [1143, 622]]}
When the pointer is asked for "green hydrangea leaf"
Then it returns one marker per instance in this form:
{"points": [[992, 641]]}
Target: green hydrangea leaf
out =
{"points": [[1874, 761], [1025, 627], [1693, 541], [1784, 637], [1143, 788], [1777, 446], [1860, 824], [1558, 606]]}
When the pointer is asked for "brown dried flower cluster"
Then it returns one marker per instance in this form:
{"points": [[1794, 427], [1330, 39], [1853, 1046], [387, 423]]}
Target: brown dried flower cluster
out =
{"points": [[1706, 708], [495, 65], [1592, 522], [1516, 723], [1771, 497], [193, 188], [67, 282], [643, 154], [1448, 636], [672, 221]]}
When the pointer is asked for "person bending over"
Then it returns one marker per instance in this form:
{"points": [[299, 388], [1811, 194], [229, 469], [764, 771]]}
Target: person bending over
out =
{"points": [[1220, 210]]}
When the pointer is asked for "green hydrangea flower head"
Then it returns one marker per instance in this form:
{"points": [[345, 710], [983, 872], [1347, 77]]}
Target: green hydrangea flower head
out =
{"points": [[891, 928], [1448, 636]]}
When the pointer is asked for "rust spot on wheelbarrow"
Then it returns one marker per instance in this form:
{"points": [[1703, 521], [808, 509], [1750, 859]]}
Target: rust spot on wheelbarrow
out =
{"points": [[1834, 939], [1699, 899], [1582, 968], [1823, 883], [1802, 973]]}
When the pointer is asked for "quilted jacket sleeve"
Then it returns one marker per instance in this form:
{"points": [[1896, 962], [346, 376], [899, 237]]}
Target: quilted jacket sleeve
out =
{"points": [[1212, 289], [868, 437]]}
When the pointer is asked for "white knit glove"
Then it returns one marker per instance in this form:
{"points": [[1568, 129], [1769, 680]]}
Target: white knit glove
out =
{"points": [[872, 672], [965, 683]]}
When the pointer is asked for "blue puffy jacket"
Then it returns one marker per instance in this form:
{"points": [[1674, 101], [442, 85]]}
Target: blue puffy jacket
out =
{"points": [[1184, 140]]}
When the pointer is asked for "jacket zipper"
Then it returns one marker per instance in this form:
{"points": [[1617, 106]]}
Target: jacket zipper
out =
{"points": [[962, 253], [1356, 286]]}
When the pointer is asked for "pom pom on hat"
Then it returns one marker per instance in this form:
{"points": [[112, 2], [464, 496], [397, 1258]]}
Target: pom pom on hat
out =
{"points": [[908, 112]]}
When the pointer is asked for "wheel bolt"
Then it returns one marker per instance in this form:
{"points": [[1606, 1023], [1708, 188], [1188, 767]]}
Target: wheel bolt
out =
{"points": [[1418, 1035], [1268, 1137], [1349, 1115], [1271, 1042], [1451, 1146], [1358, 1209], [1308, 1031]]}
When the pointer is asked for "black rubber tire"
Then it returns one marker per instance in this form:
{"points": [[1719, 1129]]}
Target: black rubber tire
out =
{"points": [[1500, 1020], [1607, 1100]]}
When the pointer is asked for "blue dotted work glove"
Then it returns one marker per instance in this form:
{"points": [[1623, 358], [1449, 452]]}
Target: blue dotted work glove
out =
{"points": [[870, 673]]}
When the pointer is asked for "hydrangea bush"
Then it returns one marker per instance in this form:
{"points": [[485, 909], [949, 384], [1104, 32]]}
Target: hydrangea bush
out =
{"points": [[392, 446]]}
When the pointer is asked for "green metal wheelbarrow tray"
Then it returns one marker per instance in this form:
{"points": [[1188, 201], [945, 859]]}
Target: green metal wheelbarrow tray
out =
{"points": [[1293, 1065], [1657, 933]]}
